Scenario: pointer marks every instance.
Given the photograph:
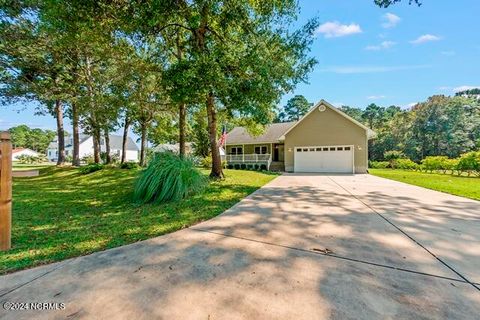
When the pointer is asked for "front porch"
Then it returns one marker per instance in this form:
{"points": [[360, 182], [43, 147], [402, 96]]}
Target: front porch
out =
{"points": [[256, 156]]}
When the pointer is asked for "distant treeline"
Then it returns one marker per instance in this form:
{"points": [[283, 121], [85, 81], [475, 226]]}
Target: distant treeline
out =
{"points": [[442, 125]]}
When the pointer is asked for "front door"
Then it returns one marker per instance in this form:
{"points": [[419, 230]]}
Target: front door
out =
{"points": [[278, 152]]}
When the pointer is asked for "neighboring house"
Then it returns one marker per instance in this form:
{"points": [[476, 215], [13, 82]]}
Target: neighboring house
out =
{"points": [[86, 147], [18, 152], [189, 148], [323, 140]]}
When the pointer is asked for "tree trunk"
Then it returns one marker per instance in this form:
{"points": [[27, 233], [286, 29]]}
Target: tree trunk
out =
{"points": [[182, 120], [96, 145], [60, 133], [76, 138], [108, 157], [217, 171], [124, 139], [143, 147]]}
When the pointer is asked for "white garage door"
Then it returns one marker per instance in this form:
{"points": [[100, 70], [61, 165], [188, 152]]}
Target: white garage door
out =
{"points": [[324, 159]]}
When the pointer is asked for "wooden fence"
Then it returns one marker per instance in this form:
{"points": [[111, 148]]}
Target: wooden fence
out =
{"points": [[5, 191]]}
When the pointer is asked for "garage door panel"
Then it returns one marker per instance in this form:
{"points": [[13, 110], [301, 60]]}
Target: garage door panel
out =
{"points": [[334, 159]]}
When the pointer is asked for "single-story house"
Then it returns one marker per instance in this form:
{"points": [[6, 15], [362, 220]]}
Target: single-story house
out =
{"points": [[189, 149], [325, 139], [86, 147], [18, 152]]}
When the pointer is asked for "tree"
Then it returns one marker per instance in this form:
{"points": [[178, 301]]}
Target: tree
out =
{"points": [[295, 108], [388, 3], [35, 139]]}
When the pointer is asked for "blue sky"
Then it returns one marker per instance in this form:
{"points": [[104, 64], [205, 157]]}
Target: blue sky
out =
{"points": [[400, 55]]}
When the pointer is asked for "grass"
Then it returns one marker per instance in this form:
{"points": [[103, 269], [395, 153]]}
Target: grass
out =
{"points": [[62, 213], [468, 187], [27, 166]]}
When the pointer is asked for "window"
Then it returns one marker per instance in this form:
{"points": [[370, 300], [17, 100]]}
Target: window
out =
{"points": [[299, 149], [340, 149], [325, 149], [319, 149], [261, 150], [332, 148], [347, 149], [305, 149], [236, 150], [312, 149]]}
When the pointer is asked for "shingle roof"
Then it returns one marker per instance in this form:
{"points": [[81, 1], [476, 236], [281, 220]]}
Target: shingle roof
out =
{"points": [[115, 142], [272, 134]]}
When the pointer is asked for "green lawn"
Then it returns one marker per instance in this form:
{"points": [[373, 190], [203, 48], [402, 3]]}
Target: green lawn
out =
{"points": [[26, 166], [468, 187], [62, 214]]}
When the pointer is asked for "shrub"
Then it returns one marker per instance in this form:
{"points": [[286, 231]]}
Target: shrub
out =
{"points": [[379, 164], [88, 159], [469, 162], [206, 162], [129, 165], [236, 166], [392, 156], [32, 159], [243, 166], [229, 166], [405, 164], [168, 177], [263, 167], [256, 166], [92, 167], [433, 163]]}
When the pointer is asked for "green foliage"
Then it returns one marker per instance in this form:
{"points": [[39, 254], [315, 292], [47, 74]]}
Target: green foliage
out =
{"points": [[434, 163], [129, 165], [26, 159], [405, 164], [470, 163], [35, 139], [296, 107], [392, 156], [168, 177], [379, 164], [92, 167], [206, 162]]}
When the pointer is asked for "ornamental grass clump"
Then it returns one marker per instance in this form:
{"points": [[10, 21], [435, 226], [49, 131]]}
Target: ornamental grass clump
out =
{"points": [[168, 177]]}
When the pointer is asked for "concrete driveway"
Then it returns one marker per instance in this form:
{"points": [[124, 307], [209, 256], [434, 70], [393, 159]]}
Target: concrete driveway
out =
{"points": [[302, 247]]}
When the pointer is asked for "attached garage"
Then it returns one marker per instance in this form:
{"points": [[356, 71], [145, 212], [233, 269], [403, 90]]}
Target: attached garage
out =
{"points": [[332, 159], [326, 140]]}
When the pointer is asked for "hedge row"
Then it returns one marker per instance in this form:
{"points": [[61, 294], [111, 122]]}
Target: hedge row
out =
{"points": [[468, 163], [247, 166]]}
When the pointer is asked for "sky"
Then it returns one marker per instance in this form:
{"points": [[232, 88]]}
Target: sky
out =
{"points": [[395, 56]]}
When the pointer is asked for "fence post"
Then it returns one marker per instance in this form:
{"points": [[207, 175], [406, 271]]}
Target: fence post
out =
{"points": [[5, 191]]}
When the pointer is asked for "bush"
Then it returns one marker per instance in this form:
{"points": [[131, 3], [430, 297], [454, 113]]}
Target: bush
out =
{"points": [[256, 166], [89, 168], [88, 159], [168, 177], [392, 156], [236, 166], [243, 166], [32, 159], [229, 166], [129, 165], [469, 162], [206, 162], [405, 164], [379, 164], [263, 167], [436, 163]]}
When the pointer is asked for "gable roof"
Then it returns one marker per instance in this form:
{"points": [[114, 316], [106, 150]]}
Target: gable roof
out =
{"points": [[272, 134], [17, 150], [115, 142], [370, 132]]}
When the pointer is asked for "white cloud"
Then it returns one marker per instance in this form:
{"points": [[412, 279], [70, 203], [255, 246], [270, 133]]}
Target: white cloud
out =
{"points": [[425, 38], [463, 88], [410, 105], [334, 29], [383, 45], [376, 97], [369, 69], [448, 53], [390, 20]]}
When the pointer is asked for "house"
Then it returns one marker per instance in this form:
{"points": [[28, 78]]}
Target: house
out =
{"points": [[86, 147], [18, 152], [323, 140], [189, 149]]}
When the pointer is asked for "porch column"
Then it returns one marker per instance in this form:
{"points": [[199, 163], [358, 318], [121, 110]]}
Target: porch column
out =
{"points": [[243, 153]]}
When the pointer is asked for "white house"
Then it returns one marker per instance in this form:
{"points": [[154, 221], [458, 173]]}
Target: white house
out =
{"points": [[18, 152], [86, 147]]}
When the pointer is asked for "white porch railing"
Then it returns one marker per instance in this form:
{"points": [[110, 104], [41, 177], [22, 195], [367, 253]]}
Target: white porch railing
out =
{"points": [[249, 158]]}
